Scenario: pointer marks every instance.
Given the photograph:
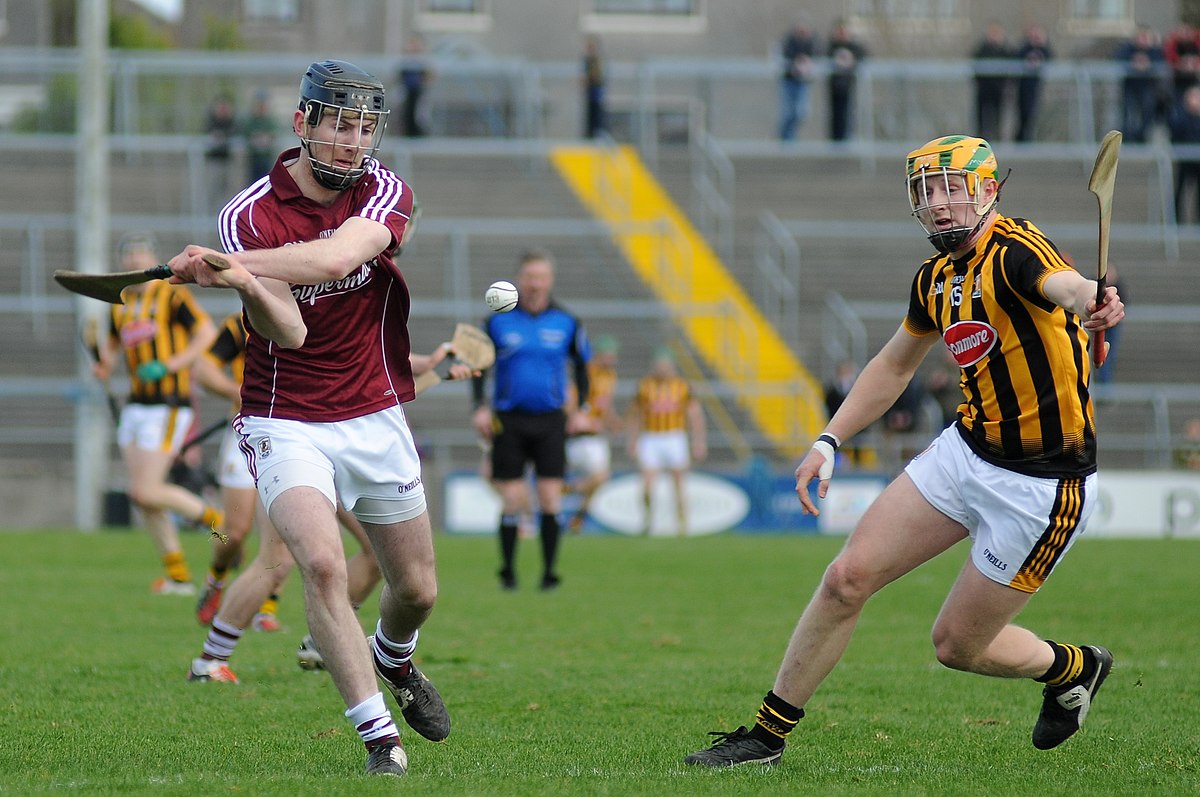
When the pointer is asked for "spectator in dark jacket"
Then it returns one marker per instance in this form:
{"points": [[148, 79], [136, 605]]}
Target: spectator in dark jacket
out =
{"points": [[845, 53], [991, 81], [1142, 87], [1034, 52], [1185, 130]]}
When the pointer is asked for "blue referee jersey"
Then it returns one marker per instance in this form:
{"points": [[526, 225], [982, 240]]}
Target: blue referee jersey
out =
{"points": [[532, 355]]}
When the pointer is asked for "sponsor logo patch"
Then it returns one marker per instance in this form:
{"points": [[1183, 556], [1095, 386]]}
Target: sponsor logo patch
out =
{"points": [[970, 341], [994, 560]]}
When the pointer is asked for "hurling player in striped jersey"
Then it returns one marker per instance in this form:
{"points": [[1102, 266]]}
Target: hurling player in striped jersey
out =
{"points": [[1015, 473]]}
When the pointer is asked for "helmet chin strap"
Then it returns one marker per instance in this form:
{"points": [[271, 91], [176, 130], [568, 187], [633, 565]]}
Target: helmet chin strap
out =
{"points": [[325, 174], [948, 241]]}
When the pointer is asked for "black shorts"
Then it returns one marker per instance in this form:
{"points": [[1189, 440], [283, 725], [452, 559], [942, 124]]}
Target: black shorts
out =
{"points": [[522, 437]]}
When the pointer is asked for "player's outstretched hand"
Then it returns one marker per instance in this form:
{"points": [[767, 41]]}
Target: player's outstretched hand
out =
{"points": [[201, 266], [809, 469]]}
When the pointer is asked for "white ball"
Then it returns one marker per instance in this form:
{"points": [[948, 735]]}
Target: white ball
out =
{"points": [[501, 296]]}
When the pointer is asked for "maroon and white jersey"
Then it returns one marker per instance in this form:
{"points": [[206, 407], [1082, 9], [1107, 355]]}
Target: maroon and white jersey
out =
{"points": [[354, 360]]}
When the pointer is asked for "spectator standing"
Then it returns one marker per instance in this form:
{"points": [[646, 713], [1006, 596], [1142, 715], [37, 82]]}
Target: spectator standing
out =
{"points": [[260, 129], [415, 76], [220, 127], [595, 120], [1034, 52], [991, 80], [797, 52], [1142, 86], [845, 54], [838, 388], [526, 421], [1185, 131], [1182, 52], [667, 432]]}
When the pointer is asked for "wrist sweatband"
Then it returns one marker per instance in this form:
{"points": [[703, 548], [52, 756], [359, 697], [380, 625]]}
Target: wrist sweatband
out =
{"points": [[827, 446], [831, 439]]}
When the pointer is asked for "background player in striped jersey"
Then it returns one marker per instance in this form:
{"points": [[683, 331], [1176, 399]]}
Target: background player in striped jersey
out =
{"points": [[589, 454], [667, 432], [160, 330], [311, 252], [1015, 473]]}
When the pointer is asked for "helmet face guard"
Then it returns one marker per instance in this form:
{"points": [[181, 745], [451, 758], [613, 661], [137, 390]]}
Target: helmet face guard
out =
{"points": [[343, 107], [951, 173]]}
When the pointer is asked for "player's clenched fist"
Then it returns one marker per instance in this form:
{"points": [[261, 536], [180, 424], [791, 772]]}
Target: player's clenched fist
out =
{"points": [[209, 268]]}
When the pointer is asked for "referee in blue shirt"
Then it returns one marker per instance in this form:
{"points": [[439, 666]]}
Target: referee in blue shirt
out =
{"points": [[527, 418]]}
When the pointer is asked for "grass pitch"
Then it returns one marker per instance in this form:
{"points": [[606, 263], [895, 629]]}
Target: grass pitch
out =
{"points": [[598, 689]]}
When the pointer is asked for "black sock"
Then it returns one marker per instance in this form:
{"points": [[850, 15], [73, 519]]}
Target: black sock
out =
{"points": [[775, 719], [550, 533], [1071, 663], [508, 541]]}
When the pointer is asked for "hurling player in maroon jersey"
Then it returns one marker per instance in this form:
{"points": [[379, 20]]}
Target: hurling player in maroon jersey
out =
{"points": [[311, 250], [1015, 473]]}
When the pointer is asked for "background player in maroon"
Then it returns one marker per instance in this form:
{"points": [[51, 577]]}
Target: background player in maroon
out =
{"points": [[310, 249]]}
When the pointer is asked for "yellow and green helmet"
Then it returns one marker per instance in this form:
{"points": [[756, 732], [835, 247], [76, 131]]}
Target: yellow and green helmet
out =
{"points": [[966, 160], [955, 153]]}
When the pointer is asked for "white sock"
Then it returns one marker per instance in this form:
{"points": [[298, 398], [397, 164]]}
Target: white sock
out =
{"points": [[222, 639], [393, 654], [372, 719]]}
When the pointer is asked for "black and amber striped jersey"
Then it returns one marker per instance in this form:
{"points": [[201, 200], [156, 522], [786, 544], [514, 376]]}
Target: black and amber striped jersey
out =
{"points": [[229, 349], [662, 404], [1024, 359], [155, 324], [602, 386]]}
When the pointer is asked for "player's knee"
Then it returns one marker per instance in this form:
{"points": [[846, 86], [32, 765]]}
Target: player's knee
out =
{"points": [[951, 651], [143, 496], [846, 584], [237, 530], [324, 571]]}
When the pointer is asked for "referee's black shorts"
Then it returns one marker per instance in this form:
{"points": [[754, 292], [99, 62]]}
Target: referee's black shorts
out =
{"points": [[522, 437]]}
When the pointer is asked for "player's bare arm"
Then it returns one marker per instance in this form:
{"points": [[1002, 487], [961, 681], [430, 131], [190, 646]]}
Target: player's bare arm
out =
{"points": [[424, 362], [106, 358], [1072, 291], [272, 311], [203, 335], [215, 380], [355, 242], [881, 382], [699, 430]]}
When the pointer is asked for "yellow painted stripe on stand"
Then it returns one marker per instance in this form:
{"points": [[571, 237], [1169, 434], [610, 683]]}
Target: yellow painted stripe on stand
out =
{"points": [[721, 322]]}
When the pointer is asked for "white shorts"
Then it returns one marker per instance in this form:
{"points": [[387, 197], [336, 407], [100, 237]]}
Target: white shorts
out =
{"points": [[154, 427], [370, 463], [589, 454], [659, 450], [231, 464], [1020, 525]]}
